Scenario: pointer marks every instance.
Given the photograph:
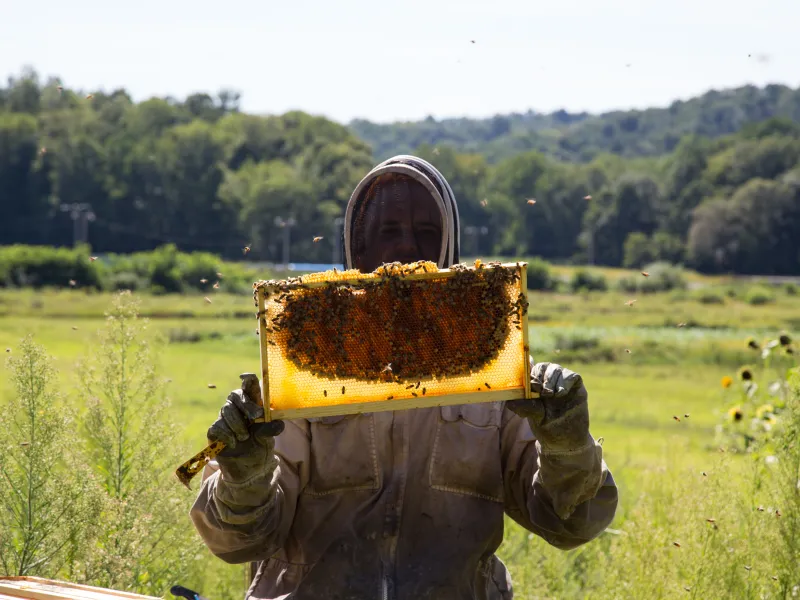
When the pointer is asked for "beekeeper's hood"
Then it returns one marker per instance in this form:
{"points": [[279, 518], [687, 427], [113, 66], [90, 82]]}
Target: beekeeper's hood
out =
{"points": [[433, 181]]}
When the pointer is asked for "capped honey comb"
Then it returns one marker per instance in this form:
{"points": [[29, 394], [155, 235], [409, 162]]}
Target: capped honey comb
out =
{"points": [[403, 336]]}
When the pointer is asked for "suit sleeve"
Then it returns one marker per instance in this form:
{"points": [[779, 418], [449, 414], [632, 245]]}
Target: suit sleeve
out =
{"points": [[249, 521], [566, 498]]}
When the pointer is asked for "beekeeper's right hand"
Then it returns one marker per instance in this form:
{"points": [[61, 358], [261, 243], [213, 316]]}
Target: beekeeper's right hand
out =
{"points": [[249, 446]]}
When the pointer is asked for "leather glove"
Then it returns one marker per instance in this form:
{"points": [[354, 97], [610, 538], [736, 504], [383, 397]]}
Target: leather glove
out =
{"points": [[249, 447], [559, 418]]}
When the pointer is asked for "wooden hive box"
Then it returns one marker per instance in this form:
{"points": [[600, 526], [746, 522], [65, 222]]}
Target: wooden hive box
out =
{"points": [[36, 588], [404, 336]]}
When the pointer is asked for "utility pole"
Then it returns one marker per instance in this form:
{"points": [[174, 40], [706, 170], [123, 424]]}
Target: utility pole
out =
{"points": [[81, 215], [337, 242], [285, 225]]}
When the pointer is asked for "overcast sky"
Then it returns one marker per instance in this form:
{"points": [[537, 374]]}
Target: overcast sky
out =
{"points": [[405, 60]]}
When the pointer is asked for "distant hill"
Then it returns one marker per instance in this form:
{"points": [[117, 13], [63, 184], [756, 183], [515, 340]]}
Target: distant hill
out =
{"points": [[580, 137]]}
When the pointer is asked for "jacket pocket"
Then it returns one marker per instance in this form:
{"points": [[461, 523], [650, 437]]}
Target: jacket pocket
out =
{"points": [[343, 455], [466, 451]]}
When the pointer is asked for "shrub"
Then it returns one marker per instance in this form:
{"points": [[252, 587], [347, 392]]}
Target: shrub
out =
{"points": [[40, 266], [539, 276], [583, 279], [791, 289], [709, 296], [662, 277], [759, 295]]}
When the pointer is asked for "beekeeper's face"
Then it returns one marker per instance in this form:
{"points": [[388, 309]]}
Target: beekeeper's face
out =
{"points": [[400, 222]]}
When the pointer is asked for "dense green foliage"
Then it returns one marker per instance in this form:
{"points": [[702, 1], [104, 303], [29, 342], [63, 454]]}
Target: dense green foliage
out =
{"points": [[164, 270], [582, 136], [712, 183]]}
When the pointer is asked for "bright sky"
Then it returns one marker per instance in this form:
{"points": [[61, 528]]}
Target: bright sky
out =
{"points": [[405, 60]]}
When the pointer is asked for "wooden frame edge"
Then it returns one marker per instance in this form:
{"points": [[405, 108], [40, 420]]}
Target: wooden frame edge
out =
{"points": [[262, 341], [405, 404]]}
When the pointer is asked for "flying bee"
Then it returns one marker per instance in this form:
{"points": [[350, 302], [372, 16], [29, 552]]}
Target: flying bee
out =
{"points": [[630, 302], [676, 544], [587, 197], [207, 299], [645, 273], [677, 418], [92, 258], [488, 387], [317, 239], [212, 386], [89, 96], [531, 201], [73, 283], [246, 249], [484, 202], [342, 389], [204, 281], [216, 286]]}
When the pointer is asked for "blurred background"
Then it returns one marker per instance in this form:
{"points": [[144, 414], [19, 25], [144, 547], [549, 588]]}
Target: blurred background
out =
{"points": [[642, 156]]}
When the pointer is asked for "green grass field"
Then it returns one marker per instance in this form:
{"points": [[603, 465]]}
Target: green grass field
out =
{"points": [[669, 371]]}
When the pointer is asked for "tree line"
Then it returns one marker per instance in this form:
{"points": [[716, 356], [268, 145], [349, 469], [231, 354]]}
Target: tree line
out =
{"points": [[201, 174]]}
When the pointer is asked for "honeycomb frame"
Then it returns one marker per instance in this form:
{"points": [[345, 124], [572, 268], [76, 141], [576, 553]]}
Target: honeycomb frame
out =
{"points": [[285, 379]]}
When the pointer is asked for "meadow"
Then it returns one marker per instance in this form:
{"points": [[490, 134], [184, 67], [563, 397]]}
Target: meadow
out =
{"points": [[654, 371]]}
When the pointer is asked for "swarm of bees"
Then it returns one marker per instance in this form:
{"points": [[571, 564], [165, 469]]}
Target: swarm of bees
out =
{"points": [[379, 329]]}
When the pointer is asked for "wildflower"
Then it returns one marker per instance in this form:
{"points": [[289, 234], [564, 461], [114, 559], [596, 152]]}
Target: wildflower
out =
{"points": [[763, 411], [736, 413], [727, 382], [745, 374], [784, 339], [752, 344]]}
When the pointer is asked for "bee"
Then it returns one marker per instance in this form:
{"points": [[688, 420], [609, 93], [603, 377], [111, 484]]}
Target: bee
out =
{"points": [[711, 520], [204, 281], [216, 286], [681, 325], [760, 509], [43, 151], [630, 302], [325, 393], [207, 299], [390, 397], [484, 202], [777, 513], [414, 394], [645, 273], [704, 474], [628, 350], [219, 275], [342, 389], [417, 387], [246, 249], [24, 444], [8, 349], [747, 567], [423, 391], [531, 201], [677, 418], [587, 197], [317, 239], [775, 578], [387, 368], [73, 283], [688, 588], [74, 328], [89, 96], [92, 258], [408, 387], [211, 386], [488, 387], [686, 416]]}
